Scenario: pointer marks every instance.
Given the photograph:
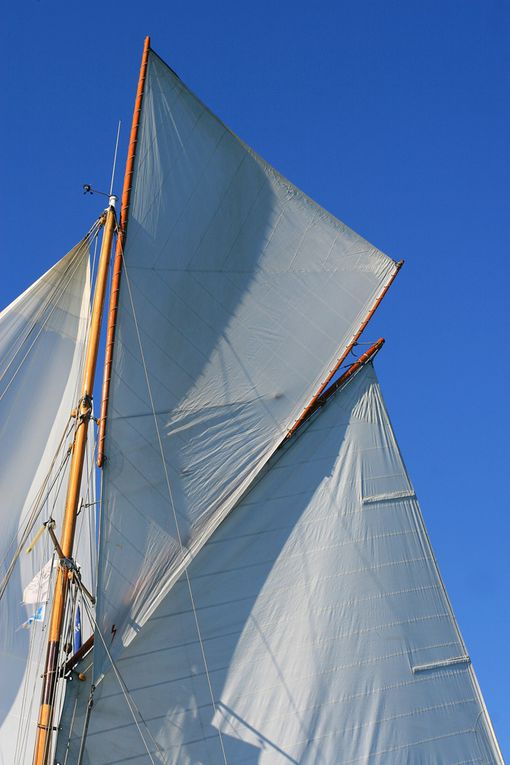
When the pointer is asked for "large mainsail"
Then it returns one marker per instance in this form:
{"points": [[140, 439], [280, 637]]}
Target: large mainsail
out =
{"points": [[42, 336], [238, 296], [326, 630]]}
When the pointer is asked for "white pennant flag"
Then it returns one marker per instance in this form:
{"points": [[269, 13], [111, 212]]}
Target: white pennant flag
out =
{"points": [[37, 590]]}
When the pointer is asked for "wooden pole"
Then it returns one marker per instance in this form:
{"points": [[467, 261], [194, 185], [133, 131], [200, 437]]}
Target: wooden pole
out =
{"points": [[64, 575], [121, 240], [311, 406], [325, 395], [78, 656]]}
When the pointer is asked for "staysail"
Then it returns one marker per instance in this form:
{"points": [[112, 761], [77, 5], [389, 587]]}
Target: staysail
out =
{"points": [[327, 633], [42, 335], [238, 296]]}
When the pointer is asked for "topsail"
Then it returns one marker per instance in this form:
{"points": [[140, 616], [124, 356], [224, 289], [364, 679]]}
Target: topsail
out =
{"points": [[238, 296]]}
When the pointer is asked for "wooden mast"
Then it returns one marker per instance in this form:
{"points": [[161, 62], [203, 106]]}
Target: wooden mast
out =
{"points": [[117, 263], [65, 574]]}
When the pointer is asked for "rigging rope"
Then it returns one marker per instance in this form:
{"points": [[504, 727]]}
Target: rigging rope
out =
{"points": [[51, 483], [30, 695], [52, 300], [85, 728], [58, 688], [35, 510], [41, 308], [133, 708], [172, 504], [94, 261]]}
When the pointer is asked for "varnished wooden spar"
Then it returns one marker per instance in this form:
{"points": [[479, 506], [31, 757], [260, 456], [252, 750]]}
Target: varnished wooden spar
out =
{"points": [[326, 394], [313, 403], [363, 359], [84, 412], [117, 263], [78, 656]]}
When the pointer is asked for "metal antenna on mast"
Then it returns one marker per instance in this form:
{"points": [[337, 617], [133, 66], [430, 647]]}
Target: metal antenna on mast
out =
{"points": [[115, 157], [87, 188]]}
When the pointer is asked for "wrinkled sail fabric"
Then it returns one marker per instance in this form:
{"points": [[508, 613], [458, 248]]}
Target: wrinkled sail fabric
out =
{"points": [[37, 591], [239, 293], [42, 336], [327, 632]]}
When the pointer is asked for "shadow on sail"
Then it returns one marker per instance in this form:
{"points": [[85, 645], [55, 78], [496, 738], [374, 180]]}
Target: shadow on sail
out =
{"points": [[326, 631], [238, 295]]}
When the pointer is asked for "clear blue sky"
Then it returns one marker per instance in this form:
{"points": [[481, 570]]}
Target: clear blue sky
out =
{"points": [[395, 116]]}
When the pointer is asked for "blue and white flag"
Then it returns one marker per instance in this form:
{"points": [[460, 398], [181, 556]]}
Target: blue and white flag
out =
{"points": [[77, 631], [37, 617]]}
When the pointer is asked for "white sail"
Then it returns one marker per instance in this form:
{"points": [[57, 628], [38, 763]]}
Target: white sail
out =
{"points": [[326, 630], [239, 294], [42, 337]]}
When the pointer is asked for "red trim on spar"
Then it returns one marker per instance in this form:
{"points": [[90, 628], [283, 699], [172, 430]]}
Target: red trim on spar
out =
{"points": [[313, 403], [117, 264]]}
